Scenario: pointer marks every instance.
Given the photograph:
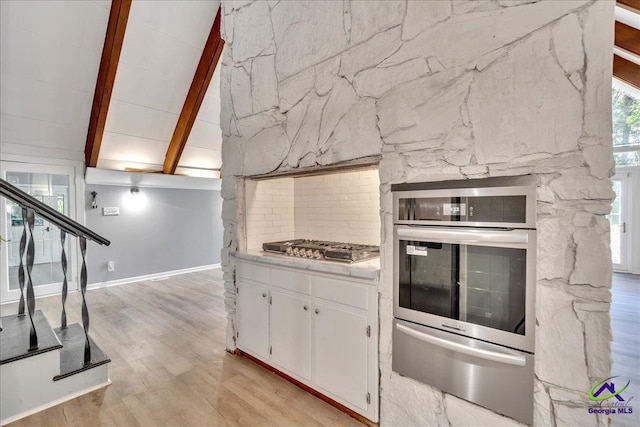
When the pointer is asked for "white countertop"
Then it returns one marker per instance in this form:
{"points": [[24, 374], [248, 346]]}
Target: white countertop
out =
{"points": [[363, 270]]}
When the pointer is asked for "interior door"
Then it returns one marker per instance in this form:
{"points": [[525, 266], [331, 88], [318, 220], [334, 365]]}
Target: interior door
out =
{"points": [[619, 221], [53, 185]]}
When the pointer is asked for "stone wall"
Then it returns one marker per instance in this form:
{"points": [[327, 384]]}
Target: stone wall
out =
{"points": [[442, 90]]}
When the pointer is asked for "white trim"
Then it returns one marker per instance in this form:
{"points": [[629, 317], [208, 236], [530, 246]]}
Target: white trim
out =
{"points": [[154, 276], [625, 87], [627, 16], [626, 148], [54, 403], [75, 211], [151, 180]]}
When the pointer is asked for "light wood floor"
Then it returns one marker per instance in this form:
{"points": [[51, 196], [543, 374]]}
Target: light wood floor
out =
{"points": [[169, 364], [625, 348]]}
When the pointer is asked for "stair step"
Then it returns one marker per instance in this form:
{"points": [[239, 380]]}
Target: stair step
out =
{"points": [[72, 353], [14, 338]]}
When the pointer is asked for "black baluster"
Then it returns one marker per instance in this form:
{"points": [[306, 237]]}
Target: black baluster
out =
{"points": [[85, 311], [31, 298], [23, 245], [63, 262]]}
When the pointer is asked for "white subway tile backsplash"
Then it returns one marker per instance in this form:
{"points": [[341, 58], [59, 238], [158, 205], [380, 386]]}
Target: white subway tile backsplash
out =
{"points": [[342, 207], [339, 207]]}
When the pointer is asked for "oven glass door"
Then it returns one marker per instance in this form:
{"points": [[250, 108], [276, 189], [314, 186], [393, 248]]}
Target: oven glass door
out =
{"points": [[470, 282], [495, 285], [429, 278]]}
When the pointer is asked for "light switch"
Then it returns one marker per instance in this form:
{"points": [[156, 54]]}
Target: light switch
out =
{"points": [[111, 211]]}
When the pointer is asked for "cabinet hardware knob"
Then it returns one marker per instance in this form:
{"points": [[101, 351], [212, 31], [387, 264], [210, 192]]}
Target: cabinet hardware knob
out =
{"points": [[264, 295], [317, 311], [306, 307]]}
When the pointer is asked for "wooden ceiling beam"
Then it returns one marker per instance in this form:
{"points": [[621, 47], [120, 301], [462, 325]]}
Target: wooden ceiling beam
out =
{"points": [[627, 38], [118, 17], [633, 5], [627, 71], [197, 91]]}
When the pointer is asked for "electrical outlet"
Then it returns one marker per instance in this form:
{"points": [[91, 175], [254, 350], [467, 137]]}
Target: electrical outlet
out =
{"points": [[113, 211], [111, 266]]}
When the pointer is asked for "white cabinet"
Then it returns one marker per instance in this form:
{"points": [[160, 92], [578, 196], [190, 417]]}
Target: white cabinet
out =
{"points": [[318, 328], [253, 318], [340, 352], [290, 324]]}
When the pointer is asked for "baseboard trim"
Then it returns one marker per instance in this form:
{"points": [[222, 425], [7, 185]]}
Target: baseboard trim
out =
{"points": [[53, 403], [154, 276], [316, 393]]}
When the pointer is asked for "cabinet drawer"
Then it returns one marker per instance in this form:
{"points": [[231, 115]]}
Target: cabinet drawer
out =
{"points": [[292, 280], [341, 292], [254, 272]]}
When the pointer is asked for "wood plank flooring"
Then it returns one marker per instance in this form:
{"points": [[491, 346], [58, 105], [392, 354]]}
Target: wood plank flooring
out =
{"points": [[166, 340], [625, 348]]}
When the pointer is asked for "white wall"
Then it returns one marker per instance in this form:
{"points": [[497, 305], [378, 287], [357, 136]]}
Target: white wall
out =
{"points": [[341, 207]]}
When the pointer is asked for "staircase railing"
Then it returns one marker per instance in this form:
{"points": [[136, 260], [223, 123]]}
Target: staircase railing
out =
{"points": [[30, 207]]}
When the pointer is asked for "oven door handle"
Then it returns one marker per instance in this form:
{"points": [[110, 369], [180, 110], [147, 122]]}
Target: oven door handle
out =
{"points": [[464, 236], [509, 359]]}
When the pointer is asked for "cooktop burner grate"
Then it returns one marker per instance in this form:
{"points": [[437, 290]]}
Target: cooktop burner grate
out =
{"points": [[323, 250]]}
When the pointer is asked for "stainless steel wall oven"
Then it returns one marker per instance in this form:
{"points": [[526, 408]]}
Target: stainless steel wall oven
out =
{"points": [[464, 290]]}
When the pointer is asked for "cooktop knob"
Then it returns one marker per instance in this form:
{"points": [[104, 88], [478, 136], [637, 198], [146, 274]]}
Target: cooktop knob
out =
{"points": [[303, 253], [309, 253], [316, 254], [289, 250], [296, 252]]}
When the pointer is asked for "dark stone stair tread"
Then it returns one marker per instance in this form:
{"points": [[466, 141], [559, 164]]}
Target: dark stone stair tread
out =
{"points": [[14, 338], [72, 353]]}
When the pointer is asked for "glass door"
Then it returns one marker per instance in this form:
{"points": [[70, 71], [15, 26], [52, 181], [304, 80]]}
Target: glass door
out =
{"points": [[618, 219], [496, 287], [54, 186], [429, 278]]}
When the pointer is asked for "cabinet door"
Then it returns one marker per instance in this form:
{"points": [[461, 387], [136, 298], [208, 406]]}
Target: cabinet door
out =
{"points": [[253, 318], [291, 333], [340, 352]]}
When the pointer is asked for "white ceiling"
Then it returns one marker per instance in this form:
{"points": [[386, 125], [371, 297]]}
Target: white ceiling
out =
{"points": [[50, 54], [49, 58]]}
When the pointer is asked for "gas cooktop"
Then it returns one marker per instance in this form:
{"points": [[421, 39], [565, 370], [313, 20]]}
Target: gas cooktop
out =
{"points": [[323, 250]]}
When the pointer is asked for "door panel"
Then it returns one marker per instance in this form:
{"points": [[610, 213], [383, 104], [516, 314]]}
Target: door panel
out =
{"points": [[340, 353], [429, 277], [619, 223], [291, 333], [253, 318]]}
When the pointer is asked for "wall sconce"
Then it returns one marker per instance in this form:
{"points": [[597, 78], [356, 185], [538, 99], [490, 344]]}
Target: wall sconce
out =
{"points": [[94, 202], [134, 200]]}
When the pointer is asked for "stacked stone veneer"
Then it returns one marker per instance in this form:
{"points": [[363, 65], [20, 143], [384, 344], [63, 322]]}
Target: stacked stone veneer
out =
{"points": [[442, 90]]}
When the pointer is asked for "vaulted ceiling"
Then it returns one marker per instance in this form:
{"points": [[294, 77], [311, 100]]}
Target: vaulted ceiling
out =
{"points": [[133, 82], [626, 58], [133, 85]]}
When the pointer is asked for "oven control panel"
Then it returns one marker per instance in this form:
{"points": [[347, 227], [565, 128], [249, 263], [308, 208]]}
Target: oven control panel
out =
{"points": [[492, 207]]}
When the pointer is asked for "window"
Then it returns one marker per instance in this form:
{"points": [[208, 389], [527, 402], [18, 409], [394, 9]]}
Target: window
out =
{"points": [[626, 128]]}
